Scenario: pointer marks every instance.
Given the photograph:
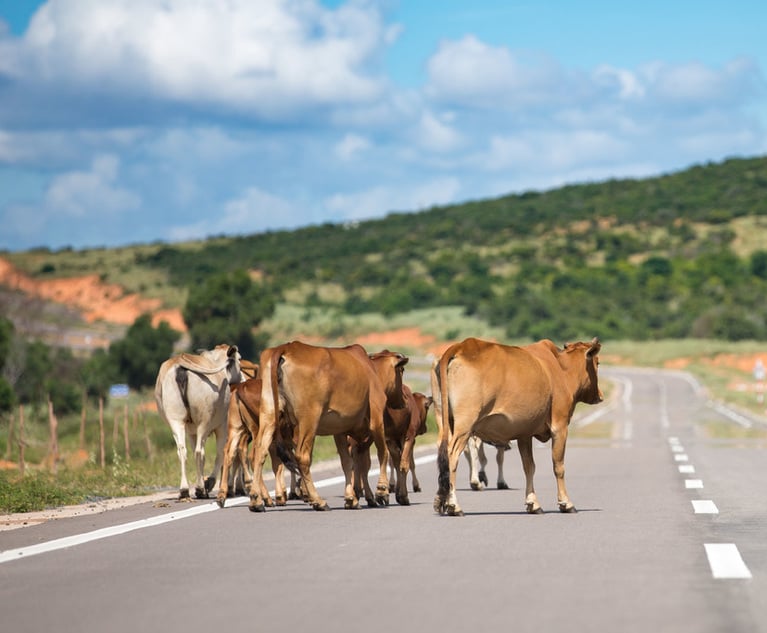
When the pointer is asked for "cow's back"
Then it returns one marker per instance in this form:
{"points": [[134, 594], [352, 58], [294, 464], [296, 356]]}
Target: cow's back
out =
{"points": [[505, 388]]}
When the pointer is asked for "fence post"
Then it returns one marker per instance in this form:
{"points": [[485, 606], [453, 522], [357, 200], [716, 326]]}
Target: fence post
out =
{"points": [[82, 420], [125, 433], [9, 443], [101, 432], [21, 439], [148, 440], [53, 446]]}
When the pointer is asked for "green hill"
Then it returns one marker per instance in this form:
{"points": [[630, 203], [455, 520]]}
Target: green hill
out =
{"points": [[676, 256]]}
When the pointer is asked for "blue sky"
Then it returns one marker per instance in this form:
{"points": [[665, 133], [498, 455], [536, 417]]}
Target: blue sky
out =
{"points": [[134, 121]]}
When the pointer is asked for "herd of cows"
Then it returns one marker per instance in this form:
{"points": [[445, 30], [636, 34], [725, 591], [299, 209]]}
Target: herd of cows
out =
{"points": [[481, 392]]}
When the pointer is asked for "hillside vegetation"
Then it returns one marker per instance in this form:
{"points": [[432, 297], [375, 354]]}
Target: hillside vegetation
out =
{"points": [[677, 256]]}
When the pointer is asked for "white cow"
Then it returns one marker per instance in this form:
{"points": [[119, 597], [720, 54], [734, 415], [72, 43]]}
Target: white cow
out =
{"points": [[475, 455], [192, 395]]}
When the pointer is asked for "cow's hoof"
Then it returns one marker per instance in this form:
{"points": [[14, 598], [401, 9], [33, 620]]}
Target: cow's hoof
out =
{"points": [[476, 485], [402, 500], [382, 500], [566, 508], [502, 485], [321, 507], [280, 500], [294, 496], [221, 501], [183, 494], [439, 505], [533, 509], [351, 503], [210, 483], [454, 511], [256, 507], [416, 488], [201, 493], [483, 477]]}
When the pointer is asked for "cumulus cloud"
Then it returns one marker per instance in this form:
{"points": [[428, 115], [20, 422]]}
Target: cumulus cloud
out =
{"points": [[377, 201], [472, 73], [351, 145], [94, 192], [253, 211], [265, 58], [77, 206]]}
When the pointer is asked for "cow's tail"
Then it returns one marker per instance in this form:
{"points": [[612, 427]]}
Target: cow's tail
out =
{"points": [[182, 380], [284, 449], [445, 429]]}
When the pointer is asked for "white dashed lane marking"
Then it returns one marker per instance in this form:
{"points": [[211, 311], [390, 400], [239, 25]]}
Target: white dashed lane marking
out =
{"points": [[725, 561], [704, 506]]}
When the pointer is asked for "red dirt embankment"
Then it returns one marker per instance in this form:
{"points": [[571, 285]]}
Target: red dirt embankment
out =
{"points": [[94, 299]]}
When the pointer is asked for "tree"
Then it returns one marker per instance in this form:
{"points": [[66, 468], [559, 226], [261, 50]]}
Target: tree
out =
{"points": [[6, 337], [227, 308], [98, 373], [138, 356]]}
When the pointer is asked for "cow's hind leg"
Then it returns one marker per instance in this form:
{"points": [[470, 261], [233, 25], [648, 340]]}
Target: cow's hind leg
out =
{"points": [[473, 450], [353, 486], [416, 483], [502, 485], [528, 465], [179, 435], [200, 487], [456, 446], [231, 452]]}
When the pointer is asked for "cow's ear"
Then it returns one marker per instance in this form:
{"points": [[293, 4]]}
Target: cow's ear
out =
{"points": [[594, 347], [232, 351]]}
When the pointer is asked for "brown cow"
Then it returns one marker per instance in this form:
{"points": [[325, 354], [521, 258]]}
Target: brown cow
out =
{"points": [[242, 427], [321, 391], [402, 425], [502, 393]]}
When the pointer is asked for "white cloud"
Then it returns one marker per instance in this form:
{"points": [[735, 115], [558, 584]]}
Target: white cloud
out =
{"points": [[437, 134], [380, 200], [695, 84], [253, 211], [350, 146], [470, 72], [552, 151], [81, 194], [259, 58]]}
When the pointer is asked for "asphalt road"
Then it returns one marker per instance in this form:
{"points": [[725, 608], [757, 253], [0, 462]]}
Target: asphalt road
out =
{"points": [[644, 552]]}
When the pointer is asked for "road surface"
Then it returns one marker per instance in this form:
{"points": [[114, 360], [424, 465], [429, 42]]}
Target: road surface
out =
{"points": [[671, 535]]}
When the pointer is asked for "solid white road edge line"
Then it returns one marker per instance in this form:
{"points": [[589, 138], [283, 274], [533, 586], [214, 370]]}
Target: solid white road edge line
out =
{"points": [[115, 530], [725, 561]]}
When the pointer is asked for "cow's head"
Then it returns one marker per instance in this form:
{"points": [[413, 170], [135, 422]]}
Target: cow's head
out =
{"points": [[390, 366], [588, 378]]}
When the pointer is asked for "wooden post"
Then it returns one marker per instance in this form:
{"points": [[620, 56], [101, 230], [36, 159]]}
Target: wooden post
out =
{"points": [[9, 443], [148, 440], [82, 420], [125, 432], [115, 433], [21, 439], [53, 446], [101, 431]]}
